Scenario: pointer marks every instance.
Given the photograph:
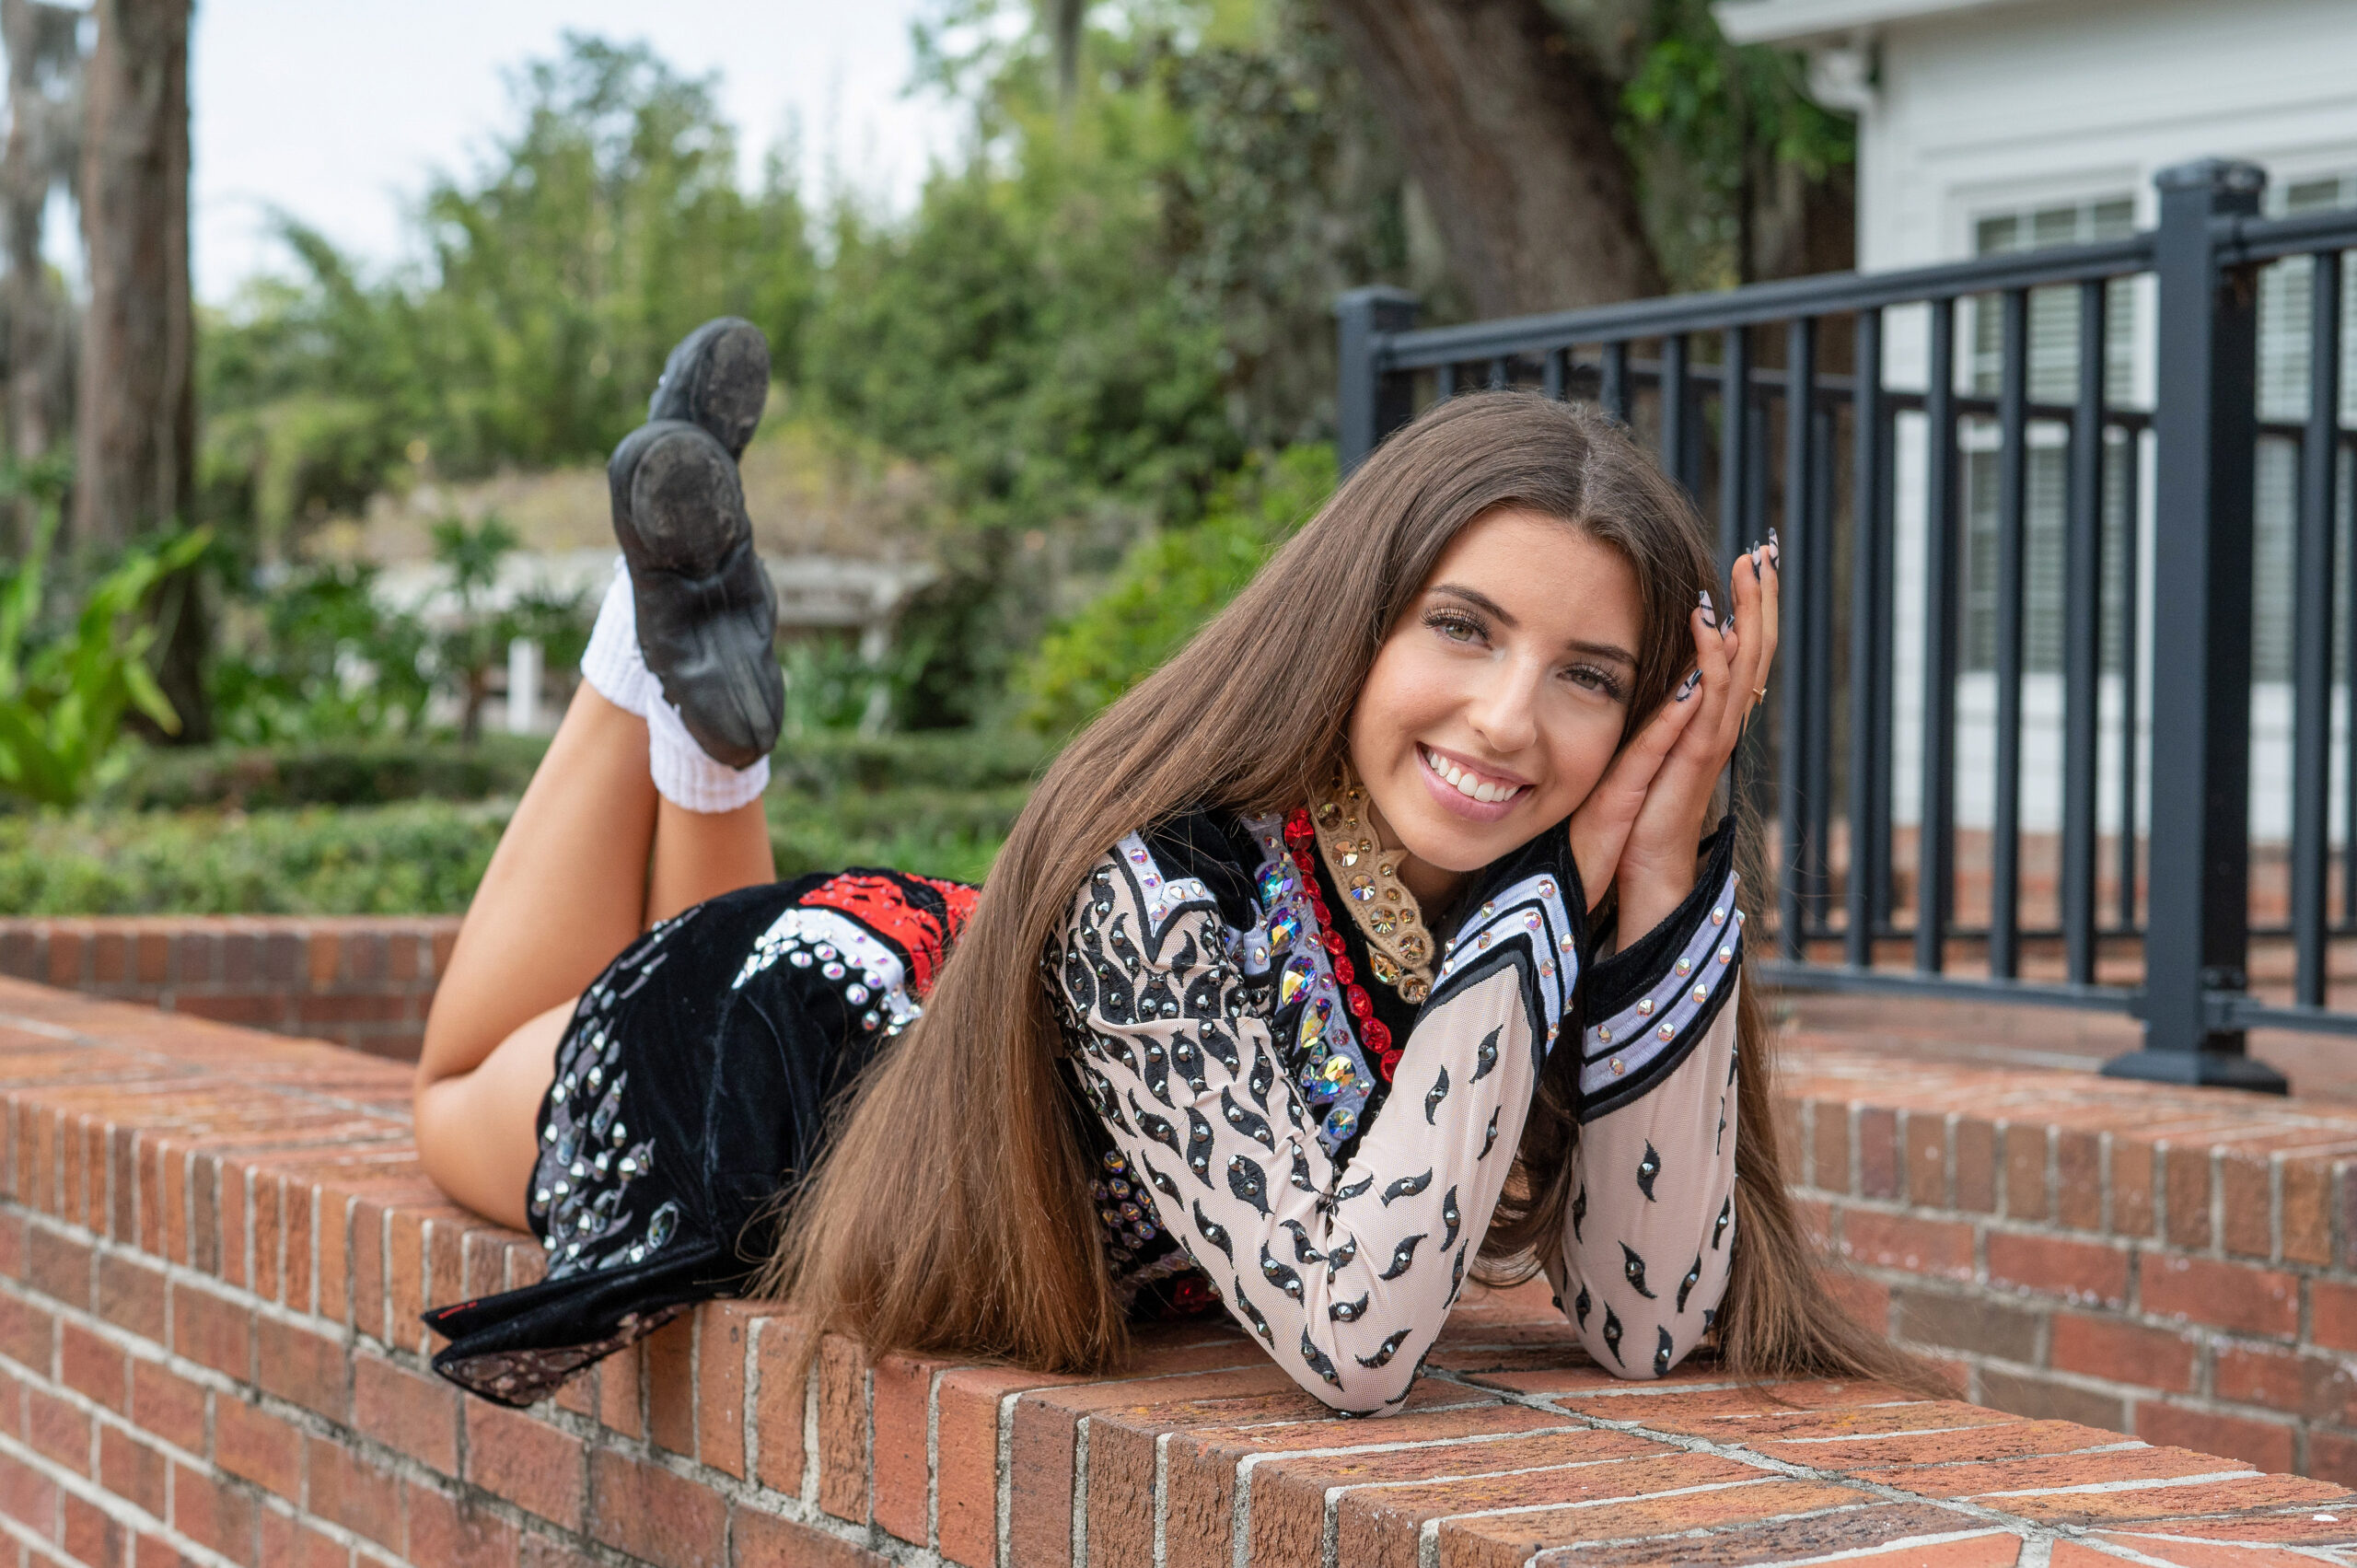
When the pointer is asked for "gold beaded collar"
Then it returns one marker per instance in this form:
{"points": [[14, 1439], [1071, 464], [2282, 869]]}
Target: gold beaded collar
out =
{"points": [[1399, 948]]}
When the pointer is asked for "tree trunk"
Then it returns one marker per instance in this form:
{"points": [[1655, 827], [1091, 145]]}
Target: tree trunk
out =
{"points": [[135, 422], [1507, 124], [135, 414], [43, 146]]}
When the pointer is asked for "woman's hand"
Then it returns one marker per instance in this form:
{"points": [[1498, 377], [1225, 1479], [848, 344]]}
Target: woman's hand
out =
{"points": [[1640, 827]]}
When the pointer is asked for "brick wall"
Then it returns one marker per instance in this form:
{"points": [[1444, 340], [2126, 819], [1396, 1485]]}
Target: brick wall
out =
{"points": [[213, 1244], [364, 981], [2181, 1264]]}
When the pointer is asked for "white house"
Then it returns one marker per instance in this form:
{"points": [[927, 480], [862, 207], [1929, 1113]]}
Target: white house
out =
{"points": [[1988, 125]]}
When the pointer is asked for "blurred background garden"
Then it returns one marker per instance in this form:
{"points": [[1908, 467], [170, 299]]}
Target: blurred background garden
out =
{"points": [[1035, 417]]}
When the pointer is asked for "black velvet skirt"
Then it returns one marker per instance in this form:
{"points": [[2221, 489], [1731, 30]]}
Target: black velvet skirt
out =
{"points": [[692, 1090]]}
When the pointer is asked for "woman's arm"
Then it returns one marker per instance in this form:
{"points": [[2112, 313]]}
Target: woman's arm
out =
{"points": [[1345, 1272], [1650, 1230]]}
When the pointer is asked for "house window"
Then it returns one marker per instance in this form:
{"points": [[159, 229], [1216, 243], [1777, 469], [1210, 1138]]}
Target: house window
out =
{"points": [[2053, 381], [2285, 294]]}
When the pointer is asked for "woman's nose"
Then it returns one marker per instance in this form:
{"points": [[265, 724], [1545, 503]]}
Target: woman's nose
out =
{"points": [[1503, 711]]}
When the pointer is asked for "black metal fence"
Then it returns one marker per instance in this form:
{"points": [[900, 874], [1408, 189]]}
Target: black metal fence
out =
{"points": [[1961, 466]]}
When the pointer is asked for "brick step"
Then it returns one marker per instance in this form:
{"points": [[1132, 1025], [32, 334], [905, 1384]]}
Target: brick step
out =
{"points": [[213, 1244]]}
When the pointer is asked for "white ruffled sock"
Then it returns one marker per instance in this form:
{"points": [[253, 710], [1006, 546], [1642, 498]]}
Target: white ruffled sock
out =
{"points": [[683, 774]]}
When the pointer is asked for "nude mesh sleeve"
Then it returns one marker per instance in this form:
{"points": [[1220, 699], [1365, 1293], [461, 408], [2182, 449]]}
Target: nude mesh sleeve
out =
{"points": [[1651, 1226], [1345, 1272]]}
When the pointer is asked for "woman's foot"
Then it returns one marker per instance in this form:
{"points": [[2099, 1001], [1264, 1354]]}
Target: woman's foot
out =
{"points": [[717, 378], [706, 615]]}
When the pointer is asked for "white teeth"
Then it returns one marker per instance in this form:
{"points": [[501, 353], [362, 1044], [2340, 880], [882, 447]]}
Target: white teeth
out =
{"points": [[1467, 783]]}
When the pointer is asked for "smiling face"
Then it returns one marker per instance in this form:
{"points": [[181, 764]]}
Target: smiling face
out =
{"points": [[1497, 701]]}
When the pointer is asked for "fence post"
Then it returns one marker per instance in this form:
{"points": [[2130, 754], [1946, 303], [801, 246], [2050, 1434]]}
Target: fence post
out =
{"points": [[1367, 407], [2196, 939]]}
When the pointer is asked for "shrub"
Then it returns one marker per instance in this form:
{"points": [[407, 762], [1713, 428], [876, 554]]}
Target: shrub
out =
{"points": [[1167, 586]]}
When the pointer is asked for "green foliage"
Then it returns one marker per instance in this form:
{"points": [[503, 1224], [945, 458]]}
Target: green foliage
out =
{"points": [[1713, 127], [64, 694], [421, 857], [556, 277], [1170, 585], [328, 829], [361, 772], [318, 658]]}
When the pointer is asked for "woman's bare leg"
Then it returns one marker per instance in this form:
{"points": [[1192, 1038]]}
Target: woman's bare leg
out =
{"points": [[568, 888]]}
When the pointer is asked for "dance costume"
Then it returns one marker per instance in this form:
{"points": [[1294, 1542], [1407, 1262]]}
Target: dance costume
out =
{"points": [[1302, 1093]]}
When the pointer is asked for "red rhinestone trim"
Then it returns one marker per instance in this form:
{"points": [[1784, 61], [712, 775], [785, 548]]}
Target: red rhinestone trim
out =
{"points": [[1300, 836]]}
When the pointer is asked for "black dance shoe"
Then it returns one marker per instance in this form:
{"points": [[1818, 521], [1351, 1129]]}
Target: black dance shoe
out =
{"points": [[707, 617], [717, 378]]}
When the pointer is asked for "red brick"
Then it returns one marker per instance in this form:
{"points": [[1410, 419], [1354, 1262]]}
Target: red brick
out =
{"points": [[2315, 1387], [1877, 1135], [903, 1408], [778, 1412], [28, 1333], [1867, 1301], [2266, 1443], [965, 1485], [842, 1430], [1903, 1242], [2306, 1211], [724, 1334], [290, 1543], [531, 1463], [299, 1204], [59, 1430], [2226, 1295], [168, 1405], [671, 1386], [2123, 1352], [2079, 1187], [369, 1243], [2080, 1272], [348, 1489], [297, 1365], [1829, 1145], [1976, 1166], [132, 1470], [764, 1540], [215, 1514], [2042, 1398], [212, 1329], [456, 1533], [265, 1450], [408, 1411], [1924, 1140], [91, 1536], [647, 1512], [621, 1382], [2188, 1194], [405, 1240], [2332, 1455], [2246, 1193], [2025, 1170], [2332, 1314], [27, 1495], [2132, 1211], [93, 1366], [58, 1266]]}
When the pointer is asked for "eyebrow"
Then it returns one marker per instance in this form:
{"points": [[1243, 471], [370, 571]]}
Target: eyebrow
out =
{"points": [[1491, 606]]}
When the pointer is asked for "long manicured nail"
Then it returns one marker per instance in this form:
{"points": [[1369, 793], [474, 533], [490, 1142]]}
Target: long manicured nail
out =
{"points": [[1685, 686], [1709, 610], [1775, 551]]}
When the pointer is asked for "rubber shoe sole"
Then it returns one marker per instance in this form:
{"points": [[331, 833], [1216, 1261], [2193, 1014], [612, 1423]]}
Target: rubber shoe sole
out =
{"points": [[707, 616], [718, 378]]}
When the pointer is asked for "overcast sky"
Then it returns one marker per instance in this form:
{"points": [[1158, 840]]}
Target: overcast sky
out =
{"points": [[337, 110]]}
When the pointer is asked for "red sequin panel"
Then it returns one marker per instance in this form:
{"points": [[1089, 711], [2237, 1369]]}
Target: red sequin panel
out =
{"points": [[958, 896], [882, 905]]}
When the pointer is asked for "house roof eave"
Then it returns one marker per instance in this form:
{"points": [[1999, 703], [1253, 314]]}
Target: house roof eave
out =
{"points": [[1800, 23]]}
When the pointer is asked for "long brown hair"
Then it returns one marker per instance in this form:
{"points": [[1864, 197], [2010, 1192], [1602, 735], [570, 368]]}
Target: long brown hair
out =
{"points": [[952, 1217]]}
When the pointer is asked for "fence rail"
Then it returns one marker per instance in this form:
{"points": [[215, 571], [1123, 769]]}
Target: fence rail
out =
{"points": [[1942, 497]]}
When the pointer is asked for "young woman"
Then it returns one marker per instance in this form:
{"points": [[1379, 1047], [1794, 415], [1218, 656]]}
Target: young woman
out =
{"points": [[1372, 944]]}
